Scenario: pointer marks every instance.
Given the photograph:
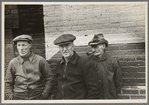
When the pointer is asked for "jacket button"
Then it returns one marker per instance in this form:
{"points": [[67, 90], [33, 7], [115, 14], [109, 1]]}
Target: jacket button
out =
{"points": [[63, 76], [99, 80], [62, 86], [62, 93]]}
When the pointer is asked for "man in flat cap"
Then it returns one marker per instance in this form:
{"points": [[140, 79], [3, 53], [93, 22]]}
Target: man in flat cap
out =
{"points": [[28, 76], [109, 69], [76, 77]]}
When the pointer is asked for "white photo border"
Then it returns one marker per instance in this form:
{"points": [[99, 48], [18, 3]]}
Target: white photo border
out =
{"points": [[68, 101]]}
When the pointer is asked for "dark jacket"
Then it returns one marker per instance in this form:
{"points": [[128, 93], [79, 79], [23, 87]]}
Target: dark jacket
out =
{"points": [[77, 79], [110, 74], [29, 78]]}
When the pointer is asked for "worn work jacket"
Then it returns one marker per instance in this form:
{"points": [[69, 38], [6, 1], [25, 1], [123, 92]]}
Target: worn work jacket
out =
{"points": [[29, 78], [77, 79], [110, 74]]}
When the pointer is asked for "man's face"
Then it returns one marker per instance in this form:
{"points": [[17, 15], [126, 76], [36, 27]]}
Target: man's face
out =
{"points": [[66, 49], [98, 49], [23, 48]]}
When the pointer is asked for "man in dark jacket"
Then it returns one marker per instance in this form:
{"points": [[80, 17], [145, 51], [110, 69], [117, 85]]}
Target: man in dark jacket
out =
{"points": [[29, 76], [76, 77], [109, 69]]}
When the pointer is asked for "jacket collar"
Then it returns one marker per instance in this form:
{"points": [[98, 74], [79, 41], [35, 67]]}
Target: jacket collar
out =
{"points": [[102, 58], [30, 58], [72, 60]]}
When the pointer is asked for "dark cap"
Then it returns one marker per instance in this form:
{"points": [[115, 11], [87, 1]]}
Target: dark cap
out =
{"points": [[98, 39], [27, 38], [64, 39]]}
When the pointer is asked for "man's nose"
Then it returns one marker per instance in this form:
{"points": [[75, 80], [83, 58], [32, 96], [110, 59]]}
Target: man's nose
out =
{"points": [[20, 47], [93, 49], [64, 48]]}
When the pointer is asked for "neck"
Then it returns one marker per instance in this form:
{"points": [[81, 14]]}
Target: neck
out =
{"points": [[26, 56], [100, 55], [68, 58]]}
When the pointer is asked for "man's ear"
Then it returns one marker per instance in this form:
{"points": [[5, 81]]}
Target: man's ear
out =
{"points": [[72, 46], [30, 45], [104, 46]]}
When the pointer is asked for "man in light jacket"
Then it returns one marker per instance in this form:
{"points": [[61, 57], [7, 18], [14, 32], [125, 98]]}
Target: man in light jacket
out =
{"points": [[28, 76]]}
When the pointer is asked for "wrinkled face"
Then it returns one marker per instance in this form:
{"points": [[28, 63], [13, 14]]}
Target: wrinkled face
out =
{"points": [[98, 49], [66, 49], [23, 48]]}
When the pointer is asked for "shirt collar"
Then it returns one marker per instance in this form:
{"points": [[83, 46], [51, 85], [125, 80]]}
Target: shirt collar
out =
{"points": [[30, 58], [72, 60]]}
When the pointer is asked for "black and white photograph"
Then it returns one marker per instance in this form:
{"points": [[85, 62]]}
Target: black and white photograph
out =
{"points": [[74, 52]]}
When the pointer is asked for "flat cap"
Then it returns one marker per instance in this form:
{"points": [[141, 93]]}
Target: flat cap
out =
{"points": [[64, 39], [23, 38]]}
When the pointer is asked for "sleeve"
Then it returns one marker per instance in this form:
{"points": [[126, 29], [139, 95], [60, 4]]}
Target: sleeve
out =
{"points": [[48, 76], [92, 81], [54, 89], [117, 75], [9, 81]]}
